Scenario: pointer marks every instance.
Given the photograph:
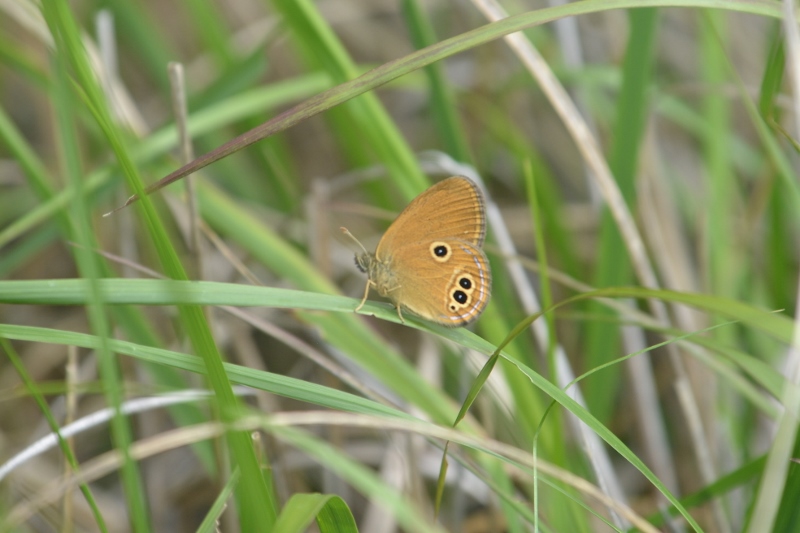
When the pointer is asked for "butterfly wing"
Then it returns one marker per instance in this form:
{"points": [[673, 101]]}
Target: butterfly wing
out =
{"points": [[451, 209], [445, 281]]}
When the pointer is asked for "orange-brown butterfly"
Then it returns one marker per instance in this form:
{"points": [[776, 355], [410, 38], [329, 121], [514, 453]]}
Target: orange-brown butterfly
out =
{"points": [[430, 260]]}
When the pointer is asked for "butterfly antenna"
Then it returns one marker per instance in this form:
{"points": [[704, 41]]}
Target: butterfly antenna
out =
{"points": [[347, 232]]}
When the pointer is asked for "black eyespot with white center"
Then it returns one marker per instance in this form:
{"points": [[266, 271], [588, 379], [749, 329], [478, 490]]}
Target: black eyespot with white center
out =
{"points": [[465, 283], [440, 251], [460, 297]]}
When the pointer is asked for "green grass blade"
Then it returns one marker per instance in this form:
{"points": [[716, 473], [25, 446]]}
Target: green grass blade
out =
{"points": [[68, 53], [257, 503], [330, 512], [33, 389]]}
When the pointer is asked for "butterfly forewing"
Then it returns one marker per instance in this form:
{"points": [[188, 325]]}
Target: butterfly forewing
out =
{"points": [[453, 208]]}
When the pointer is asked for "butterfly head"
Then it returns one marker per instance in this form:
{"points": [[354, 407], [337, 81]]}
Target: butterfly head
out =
{"points": [[363, 261]]}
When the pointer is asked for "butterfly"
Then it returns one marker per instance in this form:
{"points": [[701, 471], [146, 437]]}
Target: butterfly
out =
{"points": [[430, 261]]}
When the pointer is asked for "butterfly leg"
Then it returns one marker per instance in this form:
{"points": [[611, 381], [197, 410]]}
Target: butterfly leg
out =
{"points": [[397, 305], [364, 299]]}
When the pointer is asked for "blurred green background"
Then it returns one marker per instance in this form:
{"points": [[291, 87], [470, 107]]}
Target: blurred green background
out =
{"points": [[649, 153]]}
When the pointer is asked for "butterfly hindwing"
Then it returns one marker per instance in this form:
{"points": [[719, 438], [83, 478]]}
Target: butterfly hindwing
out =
{"points": [[447, 281]]}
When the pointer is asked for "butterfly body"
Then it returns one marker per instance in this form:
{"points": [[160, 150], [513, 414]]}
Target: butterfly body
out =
{"points": [[429, 261]]}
